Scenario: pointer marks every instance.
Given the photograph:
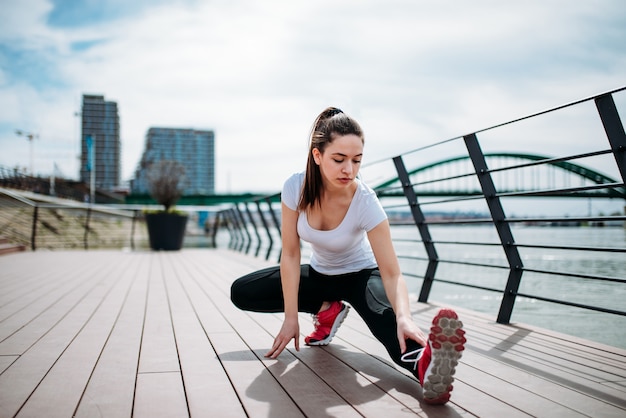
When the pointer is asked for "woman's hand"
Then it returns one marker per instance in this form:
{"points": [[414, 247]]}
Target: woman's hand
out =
{"points": [[290, 330], [408, 330]]}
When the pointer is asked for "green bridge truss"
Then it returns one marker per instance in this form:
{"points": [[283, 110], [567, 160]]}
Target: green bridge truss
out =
{"points": [[392, 186]]}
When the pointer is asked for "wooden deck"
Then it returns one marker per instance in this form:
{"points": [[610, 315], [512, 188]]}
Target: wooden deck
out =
{"points": [[147, 334]]}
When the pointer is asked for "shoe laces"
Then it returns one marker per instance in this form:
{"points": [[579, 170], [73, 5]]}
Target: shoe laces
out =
{"points": [[413, 357]]}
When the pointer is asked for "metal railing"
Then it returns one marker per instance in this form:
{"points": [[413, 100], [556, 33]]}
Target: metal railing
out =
{"points": [[72, 225], [254, 226], [14, 179]]}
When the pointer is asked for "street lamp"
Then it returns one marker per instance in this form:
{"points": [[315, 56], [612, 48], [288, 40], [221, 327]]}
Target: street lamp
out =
{"points": [[30, 136]]}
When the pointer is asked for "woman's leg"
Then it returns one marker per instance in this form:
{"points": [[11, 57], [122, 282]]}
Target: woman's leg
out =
{"points": [[261, 291], [365, 292], [435, 365]]}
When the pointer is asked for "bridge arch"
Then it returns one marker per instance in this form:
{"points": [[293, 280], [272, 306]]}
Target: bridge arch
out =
{"points": [[584, 174]]}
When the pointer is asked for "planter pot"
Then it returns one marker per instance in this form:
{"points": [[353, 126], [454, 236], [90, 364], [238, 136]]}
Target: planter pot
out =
{"points": [[166, 230]]}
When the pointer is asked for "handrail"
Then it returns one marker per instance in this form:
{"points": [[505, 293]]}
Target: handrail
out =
{"points": [[54, 225], [426, 248], [500, 125]]}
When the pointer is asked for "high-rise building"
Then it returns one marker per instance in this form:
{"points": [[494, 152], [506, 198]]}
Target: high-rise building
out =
{"points": [[194, 149], [100, 143]]}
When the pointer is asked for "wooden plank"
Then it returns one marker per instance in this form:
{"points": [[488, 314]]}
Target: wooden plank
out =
{"points": [[158, 347], [19, 381], [35, 296], [59, 393], [21, 331], [532, 394], [208, 390], [18, 281], [17, 273], [260, 393], [521, 391], [76, 343], [547, 389], [582, 395], [160, 386], [574, 372], [6, 361], [567, 359], [111, 388], [160, 395]]}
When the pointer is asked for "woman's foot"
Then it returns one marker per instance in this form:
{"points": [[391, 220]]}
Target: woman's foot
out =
{"points": [[437, 364], [326, 323]]}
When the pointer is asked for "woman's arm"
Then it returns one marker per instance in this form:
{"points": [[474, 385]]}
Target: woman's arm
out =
{"points": [[290, 279], [394, 284]]}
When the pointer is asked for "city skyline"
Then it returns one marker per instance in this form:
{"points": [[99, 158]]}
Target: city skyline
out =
{"points": [[194, 149], [412, 73]]}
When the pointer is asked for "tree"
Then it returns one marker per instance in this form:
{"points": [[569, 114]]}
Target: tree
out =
{"points": [[166, 182]]}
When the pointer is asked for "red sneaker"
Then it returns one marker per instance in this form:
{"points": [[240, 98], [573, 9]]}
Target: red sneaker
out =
{"points": [[326, 324], [439, 359]]}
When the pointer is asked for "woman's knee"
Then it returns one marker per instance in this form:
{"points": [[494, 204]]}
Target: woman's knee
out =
{"points": [[248, 291], [375, 295], [238, 293]]}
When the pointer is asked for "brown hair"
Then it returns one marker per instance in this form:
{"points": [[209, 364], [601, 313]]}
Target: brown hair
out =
{"points": [[328, 124]]}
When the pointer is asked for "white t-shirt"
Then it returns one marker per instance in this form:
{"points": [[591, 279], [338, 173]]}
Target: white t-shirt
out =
{"points": [[346, 248]]}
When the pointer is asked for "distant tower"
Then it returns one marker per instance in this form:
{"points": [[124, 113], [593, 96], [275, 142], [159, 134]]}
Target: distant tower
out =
{"points": [[100, 130], [195, 149]]}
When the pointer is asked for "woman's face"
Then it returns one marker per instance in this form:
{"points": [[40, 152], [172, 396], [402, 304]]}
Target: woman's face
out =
{"points": [[341, 160]]}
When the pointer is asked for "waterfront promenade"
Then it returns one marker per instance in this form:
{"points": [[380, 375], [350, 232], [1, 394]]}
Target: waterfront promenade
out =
{"points": [[153, 334]]}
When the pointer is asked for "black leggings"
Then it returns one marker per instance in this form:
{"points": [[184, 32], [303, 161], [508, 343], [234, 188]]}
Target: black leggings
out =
{"points": [[261, 291]]}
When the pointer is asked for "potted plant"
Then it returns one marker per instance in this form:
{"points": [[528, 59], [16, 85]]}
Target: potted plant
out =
{"points": [[166, 227]]}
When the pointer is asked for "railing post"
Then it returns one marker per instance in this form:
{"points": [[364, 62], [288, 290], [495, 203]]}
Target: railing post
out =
{"points": [[256, 231], [33, 233], [237, 237], [276, 223], [86, 236], [132, 230], [228, 224], [267, 229], [420, 222], [614, 130], [502, 227], [247, 237], [216, 225]]}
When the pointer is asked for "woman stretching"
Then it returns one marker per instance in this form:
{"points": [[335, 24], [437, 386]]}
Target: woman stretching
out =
{"points": [[353, 260]]}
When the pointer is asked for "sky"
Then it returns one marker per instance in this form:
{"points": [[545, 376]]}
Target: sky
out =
{"points": [[412, 72]]}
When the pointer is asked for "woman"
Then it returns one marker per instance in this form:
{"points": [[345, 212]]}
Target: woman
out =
{"points": [[353, 260]]}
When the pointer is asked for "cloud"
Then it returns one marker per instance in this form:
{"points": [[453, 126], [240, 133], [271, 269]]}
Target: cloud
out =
{"points": [[412, 72]]}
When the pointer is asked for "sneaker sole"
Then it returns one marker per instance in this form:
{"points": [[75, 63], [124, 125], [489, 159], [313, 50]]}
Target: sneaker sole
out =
{"points": [[338, 321], [447, 342]]}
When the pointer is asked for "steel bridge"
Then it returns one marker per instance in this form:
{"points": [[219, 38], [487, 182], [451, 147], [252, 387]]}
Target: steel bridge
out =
{"points": [[533, 174]]}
